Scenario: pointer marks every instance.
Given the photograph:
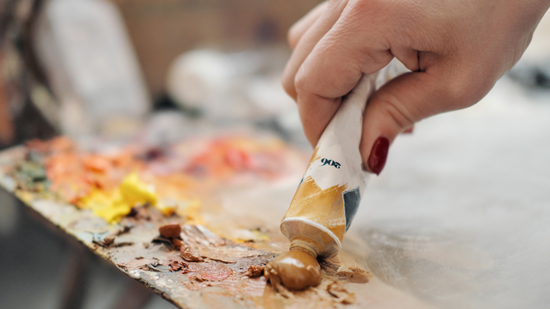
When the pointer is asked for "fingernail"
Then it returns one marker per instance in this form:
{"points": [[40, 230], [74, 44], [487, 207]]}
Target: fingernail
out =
{"points": [[378, 155], [409, 130]]}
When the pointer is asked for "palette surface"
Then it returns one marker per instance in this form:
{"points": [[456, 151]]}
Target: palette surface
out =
{"points": [[228, 192]]}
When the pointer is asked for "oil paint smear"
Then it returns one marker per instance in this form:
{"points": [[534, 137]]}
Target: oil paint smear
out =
{"points": [[174, 179]]}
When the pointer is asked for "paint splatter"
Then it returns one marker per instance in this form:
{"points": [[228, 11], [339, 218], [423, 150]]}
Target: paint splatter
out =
{"points": [[214, 272], [175, 179], [255, 271], [337, 290]]}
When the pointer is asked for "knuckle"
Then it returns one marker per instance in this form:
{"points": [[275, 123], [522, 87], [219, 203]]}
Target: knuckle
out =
{"points": [[454, 90], [363, 5], [390, 106], [336, 2], [369, 6], [288, 85], [467, 88], [308, 83], [293, 36], [301, 83], [340, 5]]}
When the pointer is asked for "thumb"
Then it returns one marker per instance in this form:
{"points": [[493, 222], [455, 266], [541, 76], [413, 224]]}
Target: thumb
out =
{"points": [[396, 106]]}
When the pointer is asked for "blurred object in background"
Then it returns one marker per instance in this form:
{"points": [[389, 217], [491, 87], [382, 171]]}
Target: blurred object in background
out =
{"points": [[6, 125], [92, 68], [71, 68], [532, 75], [21, 78], [228, 87], [236, 88], [163, 29], [533, 69]]}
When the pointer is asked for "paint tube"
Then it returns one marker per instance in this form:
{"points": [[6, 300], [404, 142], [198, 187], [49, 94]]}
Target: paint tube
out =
{"points": [[329, 194]]}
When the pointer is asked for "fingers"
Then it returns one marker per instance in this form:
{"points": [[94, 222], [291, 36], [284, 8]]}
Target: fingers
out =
{"points": [[307, 42], [396, 107], [300, 27], [332, 69]]}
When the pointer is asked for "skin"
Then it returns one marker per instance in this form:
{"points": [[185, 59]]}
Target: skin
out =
{"points": [[457, 50]]}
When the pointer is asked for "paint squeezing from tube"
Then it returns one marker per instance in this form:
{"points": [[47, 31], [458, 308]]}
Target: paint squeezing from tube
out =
{"points": [[329, 194]]}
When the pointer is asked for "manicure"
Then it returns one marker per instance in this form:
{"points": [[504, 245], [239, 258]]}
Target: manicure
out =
{"points": [[378, 155]]}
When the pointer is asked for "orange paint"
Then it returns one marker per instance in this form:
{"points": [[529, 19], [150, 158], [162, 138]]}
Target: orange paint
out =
{"points": [[174, 181]]}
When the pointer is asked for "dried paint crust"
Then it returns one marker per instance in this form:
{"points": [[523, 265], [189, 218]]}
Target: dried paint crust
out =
{"points": [[227, 271]]}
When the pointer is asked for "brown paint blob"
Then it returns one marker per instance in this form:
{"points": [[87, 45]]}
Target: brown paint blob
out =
{"points": [[255, 271], [177, 243], [296, 270], [170, 230], [178, 265], [188, 254]]}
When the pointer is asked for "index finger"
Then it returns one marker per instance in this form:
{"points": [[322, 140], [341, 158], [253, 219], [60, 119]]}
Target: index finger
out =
{"points": [[333, 68]]}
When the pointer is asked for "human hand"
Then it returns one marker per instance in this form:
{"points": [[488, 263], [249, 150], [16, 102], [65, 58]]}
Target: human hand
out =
{"points": [[457, 50]]}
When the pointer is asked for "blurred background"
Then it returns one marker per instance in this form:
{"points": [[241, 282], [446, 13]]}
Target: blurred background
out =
{"points": [[164, 68], [103, 67]]}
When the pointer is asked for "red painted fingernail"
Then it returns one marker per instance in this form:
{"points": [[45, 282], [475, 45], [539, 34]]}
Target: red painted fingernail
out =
{"points": [[378, 155]]}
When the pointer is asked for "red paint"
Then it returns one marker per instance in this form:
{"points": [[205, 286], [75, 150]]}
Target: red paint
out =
{"points": [[378, 155], [213, 272]]}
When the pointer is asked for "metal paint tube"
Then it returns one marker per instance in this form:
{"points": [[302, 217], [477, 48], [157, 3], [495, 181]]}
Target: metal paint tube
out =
{"points": [[329, 194]]}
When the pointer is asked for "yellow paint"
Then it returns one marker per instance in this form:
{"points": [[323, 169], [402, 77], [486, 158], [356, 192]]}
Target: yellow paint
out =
{"points": [[114, 205], [325, 207], [107, 205], [134, 191]]}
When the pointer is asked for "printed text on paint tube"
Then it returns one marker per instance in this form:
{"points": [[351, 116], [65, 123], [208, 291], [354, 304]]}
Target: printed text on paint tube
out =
{"points": [[328, 162]]}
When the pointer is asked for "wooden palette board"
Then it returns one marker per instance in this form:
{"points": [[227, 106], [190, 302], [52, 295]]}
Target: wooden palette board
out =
{"points": [[220, 280]]}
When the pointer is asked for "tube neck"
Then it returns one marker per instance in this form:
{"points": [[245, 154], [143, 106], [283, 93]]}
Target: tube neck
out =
{"points": [[306, 245]]}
